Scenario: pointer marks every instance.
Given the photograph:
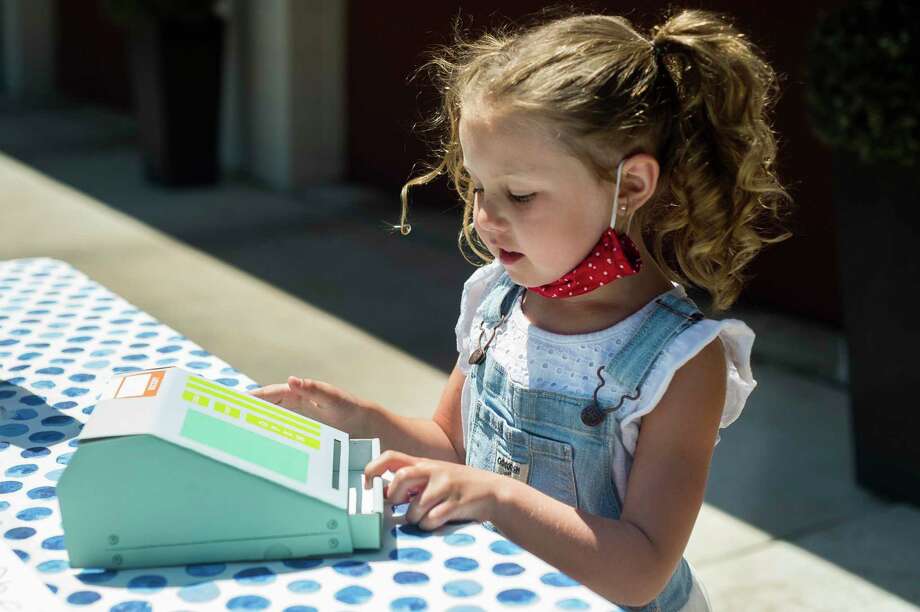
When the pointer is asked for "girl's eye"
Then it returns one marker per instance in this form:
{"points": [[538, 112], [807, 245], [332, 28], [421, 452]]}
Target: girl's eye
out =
{"points": [[522, 199], [516, 198]]}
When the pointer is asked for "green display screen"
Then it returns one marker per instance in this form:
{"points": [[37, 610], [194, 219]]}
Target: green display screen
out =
{"points": [[285, 423], [247, 445]]}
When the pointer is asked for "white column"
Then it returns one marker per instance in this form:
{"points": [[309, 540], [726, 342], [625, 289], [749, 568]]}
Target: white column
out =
{"points": [[28, 48], [284, 94], [317, 87], [233, 90]]}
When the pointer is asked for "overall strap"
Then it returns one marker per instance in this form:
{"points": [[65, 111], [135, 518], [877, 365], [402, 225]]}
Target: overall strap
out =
{"points": [[494, 309], [499, 300], [629, 367]]}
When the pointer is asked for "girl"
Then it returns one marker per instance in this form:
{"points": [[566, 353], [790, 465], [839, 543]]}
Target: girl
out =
{"points": [[581, 417]]}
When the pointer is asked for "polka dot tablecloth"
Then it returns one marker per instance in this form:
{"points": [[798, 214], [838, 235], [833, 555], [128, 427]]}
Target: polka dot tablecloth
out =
{"points": [[61, 336]]}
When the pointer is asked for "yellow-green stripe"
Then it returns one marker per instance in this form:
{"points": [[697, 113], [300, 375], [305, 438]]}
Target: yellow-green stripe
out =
{"points": [[251, 402], [275, 428], [258, 409]]}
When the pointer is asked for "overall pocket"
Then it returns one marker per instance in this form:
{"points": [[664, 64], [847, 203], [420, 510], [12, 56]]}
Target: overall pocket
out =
{"points": [[543, 463]]}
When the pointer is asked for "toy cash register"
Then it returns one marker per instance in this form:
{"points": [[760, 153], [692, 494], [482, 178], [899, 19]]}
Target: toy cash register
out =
{"points": [[173, 468]]}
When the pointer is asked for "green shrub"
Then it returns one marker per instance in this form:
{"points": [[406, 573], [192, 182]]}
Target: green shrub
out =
{"points": [[863, 80]]}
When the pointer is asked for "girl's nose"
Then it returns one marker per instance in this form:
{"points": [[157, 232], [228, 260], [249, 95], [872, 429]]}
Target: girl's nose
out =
{"points": [[487, 216]]}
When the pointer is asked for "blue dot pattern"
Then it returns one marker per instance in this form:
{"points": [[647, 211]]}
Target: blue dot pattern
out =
{"points": [[62, 336]]}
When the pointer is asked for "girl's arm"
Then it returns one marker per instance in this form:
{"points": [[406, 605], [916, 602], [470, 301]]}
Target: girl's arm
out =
{"points": [[630, 560], [439, 437]]}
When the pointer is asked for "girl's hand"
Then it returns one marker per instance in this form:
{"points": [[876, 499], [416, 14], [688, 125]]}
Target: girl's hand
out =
{"points": [[440, 491], [318, 400]]}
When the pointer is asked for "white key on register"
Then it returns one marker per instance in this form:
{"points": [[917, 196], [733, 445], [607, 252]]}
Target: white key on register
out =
{"points": [[365, 496], [358, 496]]}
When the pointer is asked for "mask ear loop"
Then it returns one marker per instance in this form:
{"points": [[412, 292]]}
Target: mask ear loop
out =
{"points": [[616, 198], [629, 220]]}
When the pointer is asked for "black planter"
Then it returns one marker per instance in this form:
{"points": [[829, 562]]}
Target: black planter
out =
{"points": [[877, 223], [177, 74]]}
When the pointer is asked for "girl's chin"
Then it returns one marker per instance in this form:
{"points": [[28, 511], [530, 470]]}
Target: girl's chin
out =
{"points": [[524, 278]]}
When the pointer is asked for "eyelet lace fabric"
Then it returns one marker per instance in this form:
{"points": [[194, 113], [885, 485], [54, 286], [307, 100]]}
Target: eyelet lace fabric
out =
{"points": [[541, 360]]}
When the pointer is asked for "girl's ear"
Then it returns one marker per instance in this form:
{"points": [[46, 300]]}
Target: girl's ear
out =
{"points": [[639, 180]]}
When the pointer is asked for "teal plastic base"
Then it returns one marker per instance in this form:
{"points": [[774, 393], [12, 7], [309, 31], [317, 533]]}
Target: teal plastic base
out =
{"points": [[138, 501]]}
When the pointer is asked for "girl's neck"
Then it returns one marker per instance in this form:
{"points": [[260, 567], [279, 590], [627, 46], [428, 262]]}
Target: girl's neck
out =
{"points": [[603, 307]]}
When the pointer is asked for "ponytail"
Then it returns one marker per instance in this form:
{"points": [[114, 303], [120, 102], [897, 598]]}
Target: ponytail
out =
{"points": [[722, 200]]}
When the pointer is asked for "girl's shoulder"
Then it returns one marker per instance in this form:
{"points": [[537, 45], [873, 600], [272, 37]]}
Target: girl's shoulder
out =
{"points": [[478, 285], [736, 339]]}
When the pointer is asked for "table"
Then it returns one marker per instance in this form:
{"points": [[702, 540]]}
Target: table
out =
{"points": [[62, 335]]}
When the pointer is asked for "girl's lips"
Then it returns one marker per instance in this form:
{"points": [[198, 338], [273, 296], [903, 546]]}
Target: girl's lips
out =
{"points": [[509, 257]]}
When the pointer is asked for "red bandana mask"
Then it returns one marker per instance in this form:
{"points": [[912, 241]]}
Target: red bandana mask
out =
{"points": [[614, 256]]}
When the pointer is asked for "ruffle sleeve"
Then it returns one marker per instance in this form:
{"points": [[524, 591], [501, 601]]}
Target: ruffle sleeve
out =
{"points": [[475, 289], [737, 339]]}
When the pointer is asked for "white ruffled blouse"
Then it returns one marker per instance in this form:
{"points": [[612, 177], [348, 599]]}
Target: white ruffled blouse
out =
{"points": [[541, 360]]}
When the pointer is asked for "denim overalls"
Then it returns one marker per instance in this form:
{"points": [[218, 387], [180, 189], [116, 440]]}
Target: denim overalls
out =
{"points": [[539, 437]]}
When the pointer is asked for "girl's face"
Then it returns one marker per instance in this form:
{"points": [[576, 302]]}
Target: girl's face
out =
{"points": [[532, 199]]}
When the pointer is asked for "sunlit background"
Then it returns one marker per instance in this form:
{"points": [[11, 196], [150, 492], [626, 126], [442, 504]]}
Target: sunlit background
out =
{"points": [[233, 168]]}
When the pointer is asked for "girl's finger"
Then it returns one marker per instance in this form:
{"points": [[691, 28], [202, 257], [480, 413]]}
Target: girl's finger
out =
{"points": [[308, 385], [388, 460], [313, 391], [405, 481], [296, 382], [423, 504], [438, 515], [275, 394]]}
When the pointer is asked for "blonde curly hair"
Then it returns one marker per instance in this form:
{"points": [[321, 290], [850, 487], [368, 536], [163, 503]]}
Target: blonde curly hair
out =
{"points": [[694, 94]]}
